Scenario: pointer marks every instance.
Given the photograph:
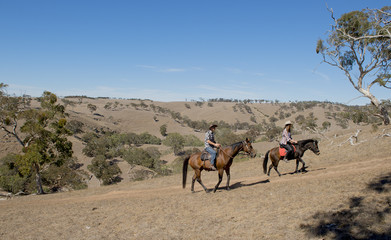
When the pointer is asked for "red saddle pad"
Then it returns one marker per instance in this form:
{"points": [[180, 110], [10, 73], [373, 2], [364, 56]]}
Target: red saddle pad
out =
{"points": [[283, 151]]}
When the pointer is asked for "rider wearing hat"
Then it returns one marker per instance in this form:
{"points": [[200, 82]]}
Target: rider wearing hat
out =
{"points": [[286, 141], [210, 144]]}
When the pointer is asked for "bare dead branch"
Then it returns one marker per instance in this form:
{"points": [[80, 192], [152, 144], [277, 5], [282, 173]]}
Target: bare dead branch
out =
{"points": [[353, 140]]}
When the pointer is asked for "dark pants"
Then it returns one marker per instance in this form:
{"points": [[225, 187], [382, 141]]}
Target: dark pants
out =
{"points": [[289, 149]]}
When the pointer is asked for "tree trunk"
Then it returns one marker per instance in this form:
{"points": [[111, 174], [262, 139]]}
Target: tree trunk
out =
{"points": [[38, 180], [383, 111]]}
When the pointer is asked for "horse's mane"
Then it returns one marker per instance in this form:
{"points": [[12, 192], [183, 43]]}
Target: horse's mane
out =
{"points": [[233, 146], [304, 142]]}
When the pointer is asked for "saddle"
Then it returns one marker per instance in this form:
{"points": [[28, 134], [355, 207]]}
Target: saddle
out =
{"points": [[283, 151], [206, 155]]}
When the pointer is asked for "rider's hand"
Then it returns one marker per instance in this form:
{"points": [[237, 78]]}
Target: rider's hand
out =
{"points": [[217, 145]]}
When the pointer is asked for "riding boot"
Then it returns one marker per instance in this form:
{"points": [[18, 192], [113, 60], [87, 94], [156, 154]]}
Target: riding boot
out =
{"points": [[285, 159], [212, 167]]}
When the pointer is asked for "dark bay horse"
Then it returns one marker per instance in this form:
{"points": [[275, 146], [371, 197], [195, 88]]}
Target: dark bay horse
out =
{"points": [[301, 147], [223, 162]]}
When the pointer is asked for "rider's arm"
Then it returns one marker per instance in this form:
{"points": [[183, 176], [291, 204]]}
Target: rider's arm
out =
{"points": [[213, 144]]}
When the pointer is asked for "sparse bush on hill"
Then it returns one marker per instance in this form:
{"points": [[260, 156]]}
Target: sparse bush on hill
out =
{"points": [[146, 138], [67, 175], [307, 122], [226, 137], [343, 123], [175, 141], [11, 180], [273, 119], [112, 144], [163, 130], [187, 105], [326, 125], [75, 126], [92, 107], [108, 105], [199, 104], [192, 141], [273, 132], [139, 156], [106, 171], [68, 102]]}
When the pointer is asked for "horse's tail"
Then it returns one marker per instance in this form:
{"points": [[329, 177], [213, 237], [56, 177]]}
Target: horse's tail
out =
{"points": [[265, 161], [184, 171]]}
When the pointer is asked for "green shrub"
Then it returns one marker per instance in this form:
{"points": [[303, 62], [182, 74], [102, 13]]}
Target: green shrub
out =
{"points": [[163, 130], [75, 126], [67, 175], [226, 137], [106, 171], [192, 141], [175, 141], [10, 178]]}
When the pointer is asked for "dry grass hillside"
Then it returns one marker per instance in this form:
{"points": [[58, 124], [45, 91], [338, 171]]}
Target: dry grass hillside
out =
{"points": [[346, 193]]}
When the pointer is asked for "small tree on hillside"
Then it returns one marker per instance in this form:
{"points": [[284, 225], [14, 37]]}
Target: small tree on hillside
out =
{"points": [[175, 141], [163, 130], [106, 171], [42, 135], [359, 44], [92, 107]]}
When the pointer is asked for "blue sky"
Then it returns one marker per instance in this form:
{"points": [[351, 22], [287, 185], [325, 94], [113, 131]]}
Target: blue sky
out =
{"points": [[174, 50]]}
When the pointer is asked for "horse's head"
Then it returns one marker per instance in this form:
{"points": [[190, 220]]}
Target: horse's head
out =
{"points": [[248, 148], [314, 147], [309, 144]]}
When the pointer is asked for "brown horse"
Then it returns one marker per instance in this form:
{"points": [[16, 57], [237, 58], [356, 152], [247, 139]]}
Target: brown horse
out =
{"points": [[301, 147], [223, 162]]}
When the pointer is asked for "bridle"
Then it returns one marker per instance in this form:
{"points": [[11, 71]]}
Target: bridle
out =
{"points": [[244, 143]]}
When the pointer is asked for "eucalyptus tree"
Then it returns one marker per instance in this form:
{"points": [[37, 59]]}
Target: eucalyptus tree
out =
{"points": [[359, 44], [42, 134]]}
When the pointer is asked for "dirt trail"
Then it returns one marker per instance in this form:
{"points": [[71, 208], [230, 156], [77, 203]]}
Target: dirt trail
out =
{"points": [[257, 207]]}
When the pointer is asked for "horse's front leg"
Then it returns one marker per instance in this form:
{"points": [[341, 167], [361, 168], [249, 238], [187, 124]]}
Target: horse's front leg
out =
{"points": [[303, 167], [221, 171], [297, 165], [228, 172]]}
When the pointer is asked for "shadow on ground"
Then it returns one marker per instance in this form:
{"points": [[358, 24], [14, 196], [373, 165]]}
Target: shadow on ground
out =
{"points": [[362, 217]]}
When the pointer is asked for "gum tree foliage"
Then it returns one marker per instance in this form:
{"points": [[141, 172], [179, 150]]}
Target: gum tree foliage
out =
{"points": [[149, 157], [163, 130], [175, 141], [359, 44], [43, 135], [112, 144], [106, 171], [92, 107], [10, 178]]}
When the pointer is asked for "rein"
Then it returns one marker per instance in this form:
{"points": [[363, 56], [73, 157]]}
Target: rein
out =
{"points": [[227, 153]]}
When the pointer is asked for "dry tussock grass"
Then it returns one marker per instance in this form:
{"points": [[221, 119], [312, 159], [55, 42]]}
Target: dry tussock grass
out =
{"points": [[345, 193]]}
